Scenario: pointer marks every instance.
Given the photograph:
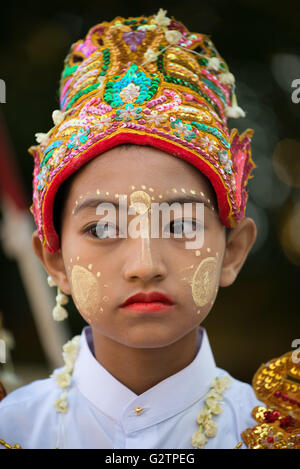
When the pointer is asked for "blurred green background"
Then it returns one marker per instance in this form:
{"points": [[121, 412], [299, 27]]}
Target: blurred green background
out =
{"points": [[258, 317]]}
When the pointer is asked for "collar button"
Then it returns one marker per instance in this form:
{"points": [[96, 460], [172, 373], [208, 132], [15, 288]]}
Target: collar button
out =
{"points": [[138, 410]]}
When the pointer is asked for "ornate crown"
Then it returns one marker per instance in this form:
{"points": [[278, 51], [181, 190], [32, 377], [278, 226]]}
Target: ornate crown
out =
{"points": [[147, 81]]}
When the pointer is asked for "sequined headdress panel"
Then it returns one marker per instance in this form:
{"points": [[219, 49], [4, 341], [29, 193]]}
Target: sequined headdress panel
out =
{"points": [[147, 81]]}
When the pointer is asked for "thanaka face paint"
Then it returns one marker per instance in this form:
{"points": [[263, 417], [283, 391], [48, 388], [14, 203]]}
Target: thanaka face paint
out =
{"points": [[140, 201], [86, 292]]}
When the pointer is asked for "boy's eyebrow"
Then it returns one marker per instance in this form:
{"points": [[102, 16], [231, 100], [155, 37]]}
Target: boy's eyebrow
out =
{"points": [[93, 202]]}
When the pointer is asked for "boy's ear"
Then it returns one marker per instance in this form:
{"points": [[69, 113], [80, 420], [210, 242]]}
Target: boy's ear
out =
{"points": [[53, 263], [239, 243]]}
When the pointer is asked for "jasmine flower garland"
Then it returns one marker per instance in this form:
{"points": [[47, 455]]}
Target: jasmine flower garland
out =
{"points": [[207, 426]]}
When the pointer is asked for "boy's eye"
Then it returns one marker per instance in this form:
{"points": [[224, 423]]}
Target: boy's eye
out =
{"points": [[102, 230], [183, 227]]}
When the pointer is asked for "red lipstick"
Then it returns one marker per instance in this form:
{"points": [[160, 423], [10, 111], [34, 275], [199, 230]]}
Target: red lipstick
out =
{"points": [[148, 302]]}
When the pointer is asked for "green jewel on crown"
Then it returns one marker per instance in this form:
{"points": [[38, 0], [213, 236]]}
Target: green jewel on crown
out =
{"points": [[133, 87]]}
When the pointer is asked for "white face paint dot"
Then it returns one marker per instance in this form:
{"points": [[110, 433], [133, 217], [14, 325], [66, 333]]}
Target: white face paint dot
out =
{"points": [[197, 253], [132, 188], [208, 249], [90, 266], [97, 191], [77, 258], [143, 186], [192, 192], [98, 274], [105, 298], [107, 193], [183, 190], [151, 189]]}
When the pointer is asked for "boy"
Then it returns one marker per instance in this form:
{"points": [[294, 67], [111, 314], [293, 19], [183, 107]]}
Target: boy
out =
{"points": [[134, 94]]}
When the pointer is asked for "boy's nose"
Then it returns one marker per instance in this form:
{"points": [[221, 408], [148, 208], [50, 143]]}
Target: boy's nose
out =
{"points": [[143, 261]]}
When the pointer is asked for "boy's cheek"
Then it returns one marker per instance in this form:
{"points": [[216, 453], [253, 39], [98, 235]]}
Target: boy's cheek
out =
{"points": [[201, 281], [87, 291]]}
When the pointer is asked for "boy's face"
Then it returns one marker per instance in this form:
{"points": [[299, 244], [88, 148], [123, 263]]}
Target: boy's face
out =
{"points": [[102, 272]]}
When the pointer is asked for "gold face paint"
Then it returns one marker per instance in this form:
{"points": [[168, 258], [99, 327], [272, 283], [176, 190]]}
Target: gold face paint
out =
{"points": [[86, 291], [204, 281], [142, 204], [138, 199]]}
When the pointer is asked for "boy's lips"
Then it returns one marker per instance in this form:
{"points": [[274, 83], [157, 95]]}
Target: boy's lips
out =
{"points": [[153, 301]]}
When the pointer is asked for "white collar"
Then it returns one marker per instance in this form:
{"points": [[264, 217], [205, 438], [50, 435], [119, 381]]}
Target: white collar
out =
{"points": [[165, 399]]}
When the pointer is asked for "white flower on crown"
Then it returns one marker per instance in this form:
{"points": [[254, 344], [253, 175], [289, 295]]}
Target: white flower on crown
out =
{"points": [[161, 19], [173, 36], [213, 64], [102, 123], [226, 78], [130, 93], [57, 116], [156, 118], [41, 137], [150, 55]]}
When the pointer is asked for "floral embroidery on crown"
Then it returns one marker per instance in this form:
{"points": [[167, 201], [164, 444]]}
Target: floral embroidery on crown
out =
{"points": [[151, 77]]}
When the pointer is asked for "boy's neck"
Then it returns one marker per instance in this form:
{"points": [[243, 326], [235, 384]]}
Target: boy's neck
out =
{"points": [[141, 369]]}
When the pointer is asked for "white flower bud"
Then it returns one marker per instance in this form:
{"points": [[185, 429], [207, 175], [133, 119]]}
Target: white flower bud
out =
{"points": [[161, 19], [173, 36], [62, 299], [213, 64], [198, 439], [59, 313], [57, 117], [41, 137], [150, 55], [227, 78], [210, 428], [61, 404], [51, 282]]}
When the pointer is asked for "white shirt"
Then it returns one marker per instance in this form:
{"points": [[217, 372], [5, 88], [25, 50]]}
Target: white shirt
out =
{"points": [[102, 414]]}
